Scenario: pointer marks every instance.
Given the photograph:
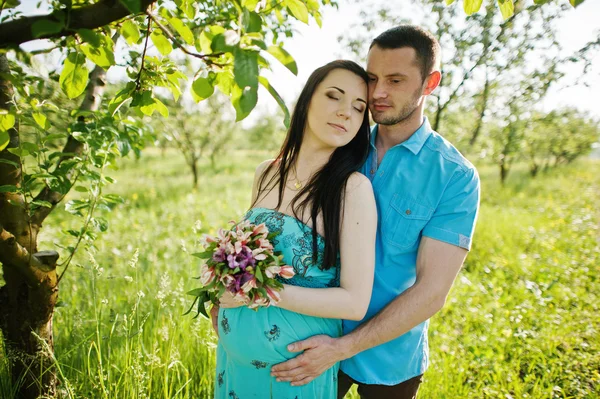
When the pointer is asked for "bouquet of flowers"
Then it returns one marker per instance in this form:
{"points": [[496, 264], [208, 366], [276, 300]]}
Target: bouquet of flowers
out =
{"points": [[240, 261]]}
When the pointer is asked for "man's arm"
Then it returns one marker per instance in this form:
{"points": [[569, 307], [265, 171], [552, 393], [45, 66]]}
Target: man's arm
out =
{"points": [[438, 263]]}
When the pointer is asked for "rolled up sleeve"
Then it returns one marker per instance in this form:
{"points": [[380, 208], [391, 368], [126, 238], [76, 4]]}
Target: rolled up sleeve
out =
{"points": [[454, 219]]}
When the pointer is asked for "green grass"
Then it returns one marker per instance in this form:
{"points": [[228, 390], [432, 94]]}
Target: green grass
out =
{"points": [[521, 321]]}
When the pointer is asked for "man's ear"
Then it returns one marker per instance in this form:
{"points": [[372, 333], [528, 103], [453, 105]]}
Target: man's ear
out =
{"points": [[433, 81]]}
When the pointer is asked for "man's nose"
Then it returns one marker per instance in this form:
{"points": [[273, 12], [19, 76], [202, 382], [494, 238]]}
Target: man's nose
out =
{"points": [[378, 90]]}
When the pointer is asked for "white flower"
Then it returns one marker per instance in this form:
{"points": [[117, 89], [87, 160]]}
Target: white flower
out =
{"points": [[129, 279]]}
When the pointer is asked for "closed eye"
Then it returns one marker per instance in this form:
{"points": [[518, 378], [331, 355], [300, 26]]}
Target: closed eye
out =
{"points": [[332, 96]]}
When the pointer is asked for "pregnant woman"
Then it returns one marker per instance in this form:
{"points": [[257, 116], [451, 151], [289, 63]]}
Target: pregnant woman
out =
{"points": [[325, 214]]}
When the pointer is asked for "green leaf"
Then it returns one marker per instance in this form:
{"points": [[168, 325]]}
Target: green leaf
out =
{"points": [[74, 76], [448, 2], [102, 54], [134, 6], [45, 204], [267, 85], [250, 4], [507, 8], [4, 140], [245, 67], [298, 10], [472, 6], [7, 121], [244, 101], [120, 98], [252, 22], [6, 161], [32, 148], [202, 88], [54, 136], [18, 152], [203, 255], [9, 189], [11, 4], [161, 107], [575, 3], [91, 37], [284, 57], [130, 32], [187, 6], [184, 31], [162, 43], [147, 103], [225, 82], [196, 292], [258, 274], [46, 27], [41, 120]]}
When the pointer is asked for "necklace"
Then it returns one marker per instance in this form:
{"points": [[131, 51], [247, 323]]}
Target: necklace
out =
{"points": [[297, 183]]}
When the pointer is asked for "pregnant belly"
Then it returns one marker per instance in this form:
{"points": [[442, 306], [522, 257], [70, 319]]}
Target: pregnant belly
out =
{"points": [[260, 337]]}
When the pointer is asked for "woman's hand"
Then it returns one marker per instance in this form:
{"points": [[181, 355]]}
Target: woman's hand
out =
{"points": [[228, 301]]}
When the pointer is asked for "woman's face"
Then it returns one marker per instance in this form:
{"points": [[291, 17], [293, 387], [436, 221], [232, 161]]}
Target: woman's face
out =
{"points": [[337, 109]]}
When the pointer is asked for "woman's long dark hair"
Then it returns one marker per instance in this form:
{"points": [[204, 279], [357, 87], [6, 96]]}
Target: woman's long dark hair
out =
{"points": [[325, 190]]}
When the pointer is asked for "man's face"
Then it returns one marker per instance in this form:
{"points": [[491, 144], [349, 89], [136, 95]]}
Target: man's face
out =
{"points": [[395, 84]]}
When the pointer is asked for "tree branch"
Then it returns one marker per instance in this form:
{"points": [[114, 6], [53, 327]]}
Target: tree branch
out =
{"points": [[178, 44], [73, 147], [31, 267], [15, 32]]}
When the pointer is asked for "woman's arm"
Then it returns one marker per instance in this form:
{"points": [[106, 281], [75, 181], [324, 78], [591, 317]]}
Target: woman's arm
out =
{"points": [[357, 251]]}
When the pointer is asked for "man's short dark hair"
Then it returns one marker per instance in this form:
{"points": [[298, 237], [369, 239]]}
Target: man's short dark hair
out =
{"points": [[425, 44]]}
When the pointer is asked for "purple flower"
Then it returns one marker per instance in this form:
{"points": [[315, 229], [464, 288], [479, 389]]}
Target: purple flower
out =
{"points": [[219, 255], [242, 259]]}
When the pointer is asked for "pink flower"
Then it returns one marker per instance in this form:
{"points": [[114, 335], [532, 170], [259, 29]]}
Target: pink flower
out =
{"points": [[287, 272], [206, 240], [258, 254], [272, 271], [259, 301], [248, 285], [265, 244], [241, 297], [243, 236], [223, 236], [207, 276], [227, 280], [273, 295], [260, 229]]}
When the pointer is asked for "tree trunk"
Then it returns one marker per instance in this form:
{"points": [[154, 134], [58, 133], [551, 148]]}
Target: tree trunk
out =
{"points": [[194, 166], [484, 100], [30, 292]]}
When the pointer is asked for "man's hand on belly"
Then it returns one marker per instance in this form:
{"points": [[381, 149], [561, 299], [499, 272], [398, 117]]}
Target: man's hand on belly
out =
{"points": [[321, 352]]}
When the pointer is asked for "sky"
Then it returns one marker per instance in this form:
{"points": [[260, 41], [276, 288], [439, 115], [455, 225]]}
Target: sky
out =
{"points": [[312, 47]]}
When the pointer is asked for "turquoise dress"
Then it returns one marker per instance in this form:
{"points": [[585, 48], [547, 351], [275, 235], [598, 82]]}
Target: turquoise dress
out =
{"points": [[251, 342]]}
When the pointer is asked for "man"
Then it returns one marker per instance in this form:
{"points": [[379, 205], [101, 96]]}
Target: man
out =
{"points": [[427, 197]]}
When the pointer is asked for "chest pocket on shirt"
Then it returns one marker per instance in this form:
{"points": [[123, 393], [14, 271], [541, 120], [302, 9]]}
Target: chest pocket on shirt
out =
{"points": [[404, 221]]}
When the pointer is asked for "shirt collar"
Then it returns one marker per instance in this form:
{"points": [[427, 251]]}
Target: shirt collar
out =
{"points": [[415, 142]]}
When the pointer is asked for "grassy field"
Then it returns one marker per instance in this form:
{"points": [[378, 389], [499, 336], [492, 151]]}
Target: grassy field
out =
{"points": [[522, 320]]}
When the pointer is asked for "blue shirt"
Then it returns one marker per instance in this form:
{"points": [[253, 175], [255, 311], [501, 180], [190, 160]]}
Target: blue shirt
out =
{"points": [[423, 187]]}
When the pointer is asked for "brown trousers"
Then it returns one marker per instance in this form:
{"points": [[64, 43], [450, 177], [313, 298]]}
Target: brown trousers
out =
{"points": [[405, 390]]}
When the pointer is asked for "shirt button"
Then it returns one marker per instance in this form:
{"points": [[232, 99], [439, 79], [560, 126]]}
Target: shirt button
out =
{"points": [[372, 172], [408, 212]]}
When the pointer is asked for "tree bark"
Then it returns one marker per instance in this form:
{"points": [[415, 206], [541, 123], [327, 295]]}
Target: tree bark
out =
{"points": [[30, 292], [484, 101]]}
